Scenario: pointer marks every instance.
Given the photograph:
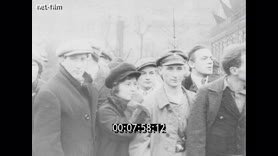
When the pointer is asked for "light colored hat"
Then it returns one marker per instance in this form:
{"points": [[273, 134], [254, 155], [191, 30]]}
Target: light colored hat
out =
{"points": [[144, 62], [78, 47]]}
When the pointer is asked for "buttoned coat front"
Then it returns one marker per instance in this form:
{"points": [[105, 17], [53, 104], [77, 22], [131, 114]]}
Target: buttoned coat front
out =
{"points": [[64, 119], [203, 115], [164, 144]]}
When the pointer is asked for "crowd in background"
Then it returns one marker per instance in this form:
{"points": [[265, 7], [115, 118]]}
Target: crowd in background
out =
{"points": [[204, 111]]}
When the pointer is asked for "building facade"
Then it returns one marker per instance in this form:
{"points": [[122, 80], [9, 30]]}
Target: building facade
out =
{"points": [[230, 30]]}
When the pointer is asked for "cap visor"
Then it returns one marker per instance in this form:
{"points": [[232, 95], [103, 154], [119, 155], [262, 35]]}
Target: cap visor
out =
{"points": [[78, 52], [173, 63], [151, 64]]}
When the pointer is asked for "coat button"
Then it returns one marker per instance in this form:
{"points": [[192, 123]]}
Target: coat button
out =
{"points": [[167, 134], [221, 117], [87, 117]]}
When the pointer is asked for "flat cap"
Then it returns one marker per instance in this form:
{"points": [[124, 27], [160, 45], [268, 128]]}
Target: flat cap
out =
{"points": [[120, 72], [78, 47], [172, 57], [144, 62]]}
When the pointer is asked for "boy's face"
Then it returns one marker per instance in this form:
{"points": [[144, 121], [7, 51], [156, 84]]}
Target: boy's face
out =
{"points": [[173, 74], [147, 77]]}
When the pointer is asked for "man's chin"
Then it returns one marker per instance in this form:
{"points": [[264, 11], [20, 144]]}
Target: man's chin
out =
{"points": [[207, 73], [174, 85], [148, 86]]}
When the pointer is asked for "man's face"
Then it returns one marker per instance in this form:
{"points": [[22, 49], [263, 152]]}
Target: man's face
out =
{"points": [[203, 63], [35, 71], [173, 74], [148, 77], [242, 68], [127, 88], [76, 65]]}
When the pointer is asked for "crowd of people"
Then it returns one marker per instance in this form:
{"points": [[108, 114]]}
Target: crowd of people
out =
{"points": [[74, 112]]}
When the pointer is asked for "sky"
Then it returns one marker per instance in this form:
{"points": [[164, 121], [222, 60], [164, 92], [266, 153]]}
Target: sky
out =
{"points": [[97, 19]]}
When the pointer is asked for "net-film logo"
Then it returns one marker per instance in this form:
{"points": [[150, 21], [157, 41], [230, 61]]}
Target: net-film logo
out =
{"points": [[49, 7]]}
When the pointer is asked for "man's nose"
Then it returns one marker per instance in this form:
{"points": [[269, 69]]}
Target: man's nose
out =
{"points": [[175, 73], [80, 64], [147, 76], [210, 61]]}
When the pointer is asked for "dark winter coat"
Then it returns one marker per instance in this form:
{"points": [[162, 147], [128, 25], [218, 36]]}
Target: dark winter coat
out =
{"points": [[115, 111], [205, 113], [64, 118]]}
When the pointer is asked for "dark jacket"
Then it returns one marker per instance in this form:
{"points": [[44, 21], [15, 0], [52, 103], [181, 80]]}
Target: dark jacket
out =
{"points": [[115, 111], [190, 85], [103, 94], [64, 118], [203, 115], [213, 77]]}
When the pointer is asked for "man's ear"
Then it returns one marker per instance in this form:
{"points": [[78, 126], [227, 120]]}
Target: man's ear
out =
{"points": [[191, 64], [234, 70]]}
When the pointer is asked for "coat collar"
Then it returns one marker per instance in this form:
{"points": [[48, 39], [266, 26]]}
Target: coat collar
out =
{"points": [[72, 80], [217, 85], [214, 97], [119, 103], [163, 99], [187, 83]]}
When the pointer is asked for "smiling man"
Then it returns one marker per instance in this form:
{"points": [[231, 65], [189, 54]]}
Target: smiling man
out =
{"points": [[65, 107], [201, 64], [170, 105]]}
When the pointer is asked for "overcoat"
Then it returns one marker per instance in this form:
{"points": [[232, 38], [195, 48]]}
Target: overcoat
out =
{"points": [[64, 117], [174, 116], [203, 115]]}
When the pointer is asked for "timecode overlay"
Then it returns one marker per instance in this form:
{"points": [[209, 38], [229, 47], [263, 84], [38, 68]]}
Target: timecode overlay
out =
{"points": [[139, 128]]}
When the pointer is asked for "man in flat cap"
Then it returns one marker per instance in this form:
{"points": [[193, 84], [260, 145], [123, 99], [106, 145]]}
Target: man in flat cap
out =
{"points": [[65, 107], [149, 79], [170, 105], [147, 83], [201, 64], [217, 124]]}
